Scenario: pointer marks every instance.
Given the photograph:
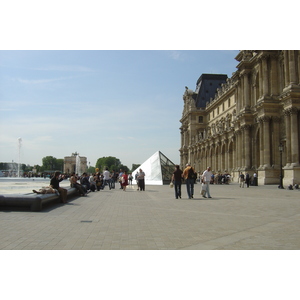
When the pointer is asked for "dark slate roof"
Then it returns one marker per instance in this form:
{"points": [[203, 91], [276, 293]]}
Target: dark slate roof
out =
{"points": [[207, 85]]}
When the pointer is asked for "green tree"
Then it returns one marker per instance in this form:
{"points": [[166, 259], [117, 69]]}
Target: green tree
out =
{"points": [[49, 163], [91, 170], [124, 168], [134, 167], [112, 163], [26, 168], [38, 168], [59, 164]]}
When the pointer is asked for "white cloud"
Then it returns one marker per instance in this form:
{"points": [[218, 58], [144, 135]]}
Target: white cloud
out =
{"points": [[41, 81], [65, 68], [177, 55]]}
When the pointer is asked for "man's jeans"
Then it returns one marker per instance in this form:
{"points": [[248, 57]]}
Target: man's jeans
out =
{"points": [[177, 186], [190, 187], [108, 182], [207, 189]]}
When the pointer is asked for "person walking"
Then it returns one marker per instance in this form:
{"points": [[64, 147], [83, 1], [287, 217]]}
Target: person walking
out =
{"points": [[120, 178], [106, 178], [124, 180], [54, 183], [189, 176], [206, 178], [141, 178], [136, 177], [247, 179], [130, 178], [177, 180], [255, 180], [242, 180]]}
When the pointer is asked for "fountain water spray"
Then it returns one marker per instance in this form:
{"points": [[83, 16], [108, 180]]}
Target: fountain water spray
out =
{"points": [[19, 147], [77, 163]]}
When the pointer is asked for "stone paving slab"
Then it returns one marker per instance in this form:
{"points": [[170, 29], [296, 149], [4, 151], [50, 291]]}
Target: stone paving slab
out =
{"points": [[262, 217]]}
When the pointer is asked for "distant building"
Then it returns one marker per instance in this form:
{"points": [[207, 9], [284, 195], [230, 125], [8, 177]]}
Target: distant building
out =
{"points": [[75, 163], [237, 124]]}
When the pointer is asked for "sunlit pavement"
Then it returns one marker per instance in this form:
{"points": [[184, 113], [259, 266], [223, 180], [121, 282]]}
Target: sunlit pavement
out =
{"points": [[262, 217]]}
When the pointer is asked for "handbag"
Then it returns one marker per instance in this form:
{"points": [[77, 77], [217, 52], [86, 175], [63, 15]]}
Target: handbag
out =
{"points": [[171, 185]]}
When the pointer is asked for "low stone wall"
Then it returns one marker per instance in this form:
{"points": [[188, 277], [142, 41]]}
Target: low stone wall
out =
{"points": [[33, 201]]}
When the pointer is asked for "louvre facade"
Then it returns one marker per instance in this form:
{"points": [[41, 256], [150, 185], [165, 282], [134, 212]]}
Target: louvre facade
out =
{"points": [[236, 124]]}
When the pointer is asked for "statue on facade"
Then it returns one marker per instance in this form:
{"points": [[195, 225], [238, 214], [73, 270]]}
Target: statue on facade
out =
{"points": [[213, 128]]}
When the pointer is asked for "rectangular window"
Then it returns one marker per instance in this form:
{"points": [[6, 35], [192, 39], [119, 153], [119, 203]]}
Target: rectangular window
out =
{"points": [[201, 119]]}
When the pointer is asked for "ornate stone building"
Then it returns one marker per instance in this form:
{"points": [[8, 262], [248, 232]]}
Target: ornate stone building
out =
{"points": [[241, 127], [75, 163]]}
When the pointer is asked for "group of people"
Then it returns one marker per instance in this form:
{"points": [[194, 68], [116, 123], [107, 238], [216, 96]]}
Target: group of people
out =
{"points": [[99, 181], [95, 182], [246, 178], [190, 177], [220, 178]]}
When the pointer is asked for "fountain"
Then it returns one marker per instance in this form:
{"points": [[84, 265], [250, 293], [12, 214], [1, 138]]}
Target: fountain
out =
{"points": [[77, 163], [19, 146]]}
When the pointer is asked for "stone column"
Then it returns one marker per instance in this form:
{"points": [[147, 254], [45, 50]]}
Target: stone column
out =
{"points": [[247, 146], [276, 141], [237, 149], [237, 100], [260, 80], [265, 75], [226, 149], [242, 147], [234, 164], [298, 62], [246, 90], [261, 143], [294, 137], [288, 137], [274, 75], [182, 136], [286, 68], [266, 141], [292, 67]]}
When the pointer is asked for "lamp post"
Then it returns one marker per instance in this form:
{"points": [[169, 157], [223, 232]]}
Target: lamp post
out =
{"points": [[280, 148]]}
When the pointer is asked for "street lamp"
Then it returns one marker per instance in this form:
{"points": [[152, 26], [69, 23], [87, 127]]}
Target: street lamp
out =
{"points": [[280, 148]]}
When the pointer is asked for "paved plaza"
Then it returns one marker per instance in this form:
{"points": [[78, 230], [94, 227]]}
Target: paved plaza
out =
{"points": [[262, 217]]}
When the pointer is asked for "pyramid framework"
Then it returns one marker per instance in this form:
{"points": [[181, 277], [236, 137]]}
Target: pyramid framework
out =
{"points": [[158, 169]]}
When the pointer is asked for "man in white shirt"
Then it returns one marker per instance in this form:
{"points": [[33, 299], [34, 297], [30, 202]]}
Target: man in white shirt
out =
{"points": [[141, 178], [206, 177], [106, 178]]}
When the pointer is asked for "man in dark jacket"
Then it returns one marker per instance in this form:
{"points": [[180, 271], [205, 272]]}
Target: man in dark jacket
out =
{"points": [[54, 183]]}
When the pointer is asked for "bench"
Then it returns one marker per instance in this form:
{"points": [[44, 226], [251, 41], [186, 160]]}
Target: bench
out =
{"points": [[32, 200]]}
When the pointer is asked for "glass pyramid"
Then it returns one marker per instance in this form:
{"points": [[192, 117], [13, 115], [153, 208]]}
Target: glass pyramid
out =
{"points": [[158, 169]]}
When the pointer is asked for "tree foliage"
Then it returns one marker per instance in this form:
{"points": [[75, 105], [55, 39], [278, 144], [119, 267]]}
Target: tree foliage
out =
{"points": [[91, 170], [110, 162], [52, 163]]}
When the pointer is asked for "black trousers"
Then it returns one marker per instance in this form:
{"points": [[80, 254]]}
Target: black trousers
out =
{"points": [[142, 184]]}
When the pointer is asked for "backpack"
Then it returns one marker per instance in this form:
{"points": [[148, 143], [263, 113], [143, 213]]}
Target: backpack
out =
{"points": [[191, 174]]}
